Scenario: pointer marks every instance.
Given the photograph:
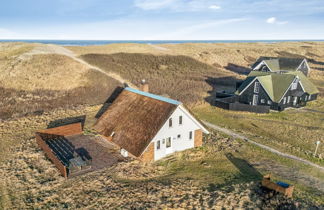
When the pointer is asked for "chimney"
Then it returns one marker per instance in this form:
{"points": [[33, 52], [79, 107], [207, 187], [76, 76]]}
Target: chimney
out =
{"points": [[144, 86]]}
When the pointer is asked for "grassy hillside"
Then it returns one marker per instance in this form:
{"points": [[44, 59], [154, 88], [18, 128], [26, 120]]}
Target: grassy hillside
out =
{"points": [[40, 84], [180, 77], [32, 83]]}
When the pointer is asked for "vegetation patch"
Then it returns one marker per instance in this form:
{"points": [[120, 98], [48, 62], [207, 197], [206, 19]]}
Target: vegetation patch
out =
{"points": [[180, 77]]}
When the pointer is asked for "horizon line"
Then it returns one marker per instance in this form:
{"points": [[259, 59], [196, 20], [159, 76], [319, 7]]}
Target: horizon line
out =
{"points": [[163, 39]]}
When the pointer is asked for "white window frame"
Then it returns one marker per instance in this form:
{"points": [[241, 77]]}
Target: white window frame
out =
{"points": [[288, 99], [124, 152], [255, 99], [158, 145], [256, 87], [269, 102], [166, 143], [284, 100], [309, 97], [295, 100], [262, 100], [294, 85]]}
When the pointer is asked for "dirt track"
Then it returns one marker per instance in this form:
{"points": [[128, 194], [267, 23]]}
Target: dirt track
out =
{"points": [[56, 49], [279, 169]]}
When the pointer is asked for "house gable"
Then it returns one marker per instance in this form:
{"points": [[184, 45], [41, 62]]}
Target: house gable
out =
{"points": [[262, 66], [250, 87], [248, 94], [179, 134], [304, 67]]}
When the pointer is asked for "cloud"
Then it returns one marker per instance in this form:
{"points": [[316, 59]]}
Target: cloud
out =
{"points": [[176, 5], [190, 31], [214, 7], [7, 34], [273, 20], [153, 4]]}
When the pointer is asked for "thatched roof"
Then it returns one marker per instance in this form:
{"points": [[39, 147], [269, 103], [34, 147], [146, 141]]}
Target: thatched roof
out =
{"points": [[135, 117]]}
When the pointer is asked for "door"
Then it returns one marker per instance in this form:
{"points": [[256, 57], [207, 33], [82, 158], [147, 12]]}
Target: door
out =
{"points": [[168, 145]]}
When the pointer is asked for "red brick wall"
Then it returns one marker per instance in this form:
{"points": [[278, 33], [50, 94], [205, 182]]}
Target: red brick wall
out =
{"points": [[148, 154], [198, 138]]}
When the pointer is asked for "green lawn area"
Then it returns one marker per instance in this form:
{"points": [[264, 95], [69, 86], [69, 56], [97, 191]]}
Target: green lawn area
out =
{"points": [[214, 168], [294, 131]]}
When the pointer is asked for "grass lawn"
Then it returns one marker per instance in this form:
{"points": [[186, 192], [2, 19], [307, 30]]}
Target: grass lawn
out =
{"points": [[294, 131], [225, 162]]}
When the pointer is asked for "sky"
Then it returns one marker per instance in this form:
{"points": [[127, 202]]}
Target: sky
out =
{"points": [[162, 19]]}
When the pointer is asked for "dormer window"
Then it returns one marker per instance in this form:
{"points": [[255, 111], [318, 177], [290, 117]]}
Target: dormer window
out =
{"points": [[264, 68], [256, 87], [294, 84]]}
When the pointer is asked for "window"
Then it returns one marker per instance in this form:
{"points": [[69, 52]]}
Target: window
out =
{"points": [[309, 97], [124, 153], [179, 136], [163, 141], [269, 102], [158, 144], [294, 84], [284, 100], [180, 120], [168, 142], [288, 99], [190, 135], [295, 101], [264, 68], [255, 100], [256, 87], [262, 101], [170, 122]]}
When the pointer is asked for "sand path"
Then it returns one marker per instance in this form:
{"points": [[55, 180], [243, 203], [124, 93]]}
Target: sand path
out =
{"points": [[158, 47], [287, 172], [239, 136], [56, 49]]}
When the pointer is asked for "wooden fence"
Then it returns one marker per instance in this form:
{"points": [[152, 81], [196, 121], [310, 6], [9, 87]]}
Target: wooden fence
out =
{"points": [[228, 103], [44, 135], [41, 141]]}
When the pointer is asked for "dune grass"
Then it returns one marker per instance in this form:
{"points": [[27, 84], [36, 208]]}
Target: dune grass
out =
{"points": [[180, 77], [294, 131]]}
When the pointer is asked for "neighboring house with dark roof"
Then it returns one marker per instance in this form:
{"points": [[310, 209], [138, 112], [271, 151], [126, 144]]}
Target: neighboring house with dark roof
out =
{"points": [[149, 126], [273, 64], [278, 90]]}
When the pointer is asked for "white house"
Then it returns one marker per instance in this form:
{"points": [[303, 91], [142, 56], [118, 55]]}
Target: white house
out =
{"points": [[149, 126]]}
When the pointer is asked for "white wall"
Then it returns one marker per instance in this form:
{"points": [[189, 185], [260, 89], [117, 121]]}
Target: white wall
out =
{"points": [[177, 144]]}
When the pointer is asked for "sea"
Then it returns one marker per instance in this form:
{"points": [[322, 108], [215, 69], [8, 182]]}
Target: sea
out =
{"points": [[105, 42]]}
